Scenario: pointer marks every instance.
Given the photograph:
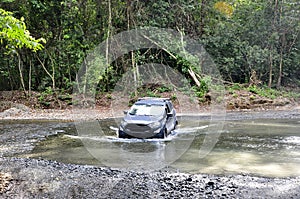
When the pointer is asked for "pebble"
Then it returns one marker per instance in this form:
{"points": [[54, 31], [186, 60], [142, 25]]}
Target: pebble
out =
{"points": [[92, 182]]}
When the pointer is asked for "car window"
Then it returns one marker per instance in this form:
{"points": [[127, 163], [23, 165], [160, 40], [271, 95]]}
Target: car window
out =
{"points": [[144, 109], [169, 108]]}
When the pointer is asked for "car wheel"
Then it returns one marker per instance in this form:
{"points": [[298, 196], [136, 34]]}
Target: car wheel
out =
{"points": [[163, 133], [176, 123], [122, 134]]}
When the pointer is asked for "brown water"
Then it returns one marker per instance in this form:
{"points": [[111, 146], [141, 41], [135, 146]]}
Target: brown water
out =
{"points": [[265, 147]]}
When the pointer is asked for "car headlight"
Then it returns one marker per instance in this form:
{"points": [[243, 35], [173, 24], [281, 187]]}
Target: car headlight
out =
{"points": [[154, 125]]}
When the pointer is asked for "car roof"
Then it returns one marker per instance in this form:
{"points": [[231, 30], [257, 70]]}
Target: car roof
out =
{"points": [[152, 101]]}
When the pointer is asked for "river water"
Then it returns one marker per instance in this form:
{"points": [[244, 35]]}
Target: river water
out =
{"points": [[263, 147]]}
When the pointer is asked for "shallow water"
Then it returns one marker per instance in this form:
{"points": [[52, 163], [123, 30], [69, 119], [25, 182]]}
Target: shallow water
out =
{"points": [[260, 147], [265, 147]]}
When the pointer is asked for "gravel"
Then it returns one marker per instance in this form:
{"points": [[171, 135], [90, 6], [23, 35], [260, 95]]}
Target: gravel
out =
{"points": [[32, 178]]}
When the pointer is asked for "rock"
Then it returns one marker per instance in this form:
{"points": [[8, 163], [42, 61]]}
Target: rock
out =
{"points": [[22, 107], [10, 112], [210, 184], [5, 180], [16, 110], [189, 179], [281, 102]]}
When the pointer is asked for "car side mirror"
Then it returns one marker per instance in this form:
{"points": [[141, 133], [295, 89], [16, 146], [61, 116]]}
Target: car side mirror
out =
{"points": [[125, 112], [170, 114]]}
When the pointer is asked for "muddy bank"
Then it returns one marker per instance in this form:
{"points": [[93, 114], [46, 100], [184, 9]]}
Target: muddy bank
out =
{"points": [[48, 179]]}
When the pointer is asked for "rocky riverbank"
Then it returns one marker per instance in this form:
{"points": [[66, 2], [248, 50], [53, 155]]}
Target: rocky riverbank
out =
{"points": [[32, 178], [21, 112]]}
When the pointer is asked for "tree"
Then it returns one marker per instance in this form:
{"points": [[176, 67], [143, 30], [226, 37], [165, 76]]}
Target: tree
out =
{"points": [[244, 38], [14, 35]]}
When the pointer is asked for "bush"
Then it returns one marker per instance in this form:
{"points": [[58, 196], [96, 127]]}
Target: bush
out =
{"points": [[203, 89]]}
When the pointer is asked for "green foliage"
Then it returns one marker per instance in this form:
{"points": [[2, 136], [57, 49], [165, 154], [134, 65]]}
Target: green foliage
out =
{"points": [[252, 97], [241, 37], [203, 89], [150, 93], [15, 33], [44, 97], [173, 97], [256, 37], [265, 92], [235, 86], [152, 90], [164, 88]]}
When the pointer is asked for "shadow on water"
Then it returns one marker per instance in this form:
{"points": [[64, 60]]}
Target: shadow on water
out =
{"points": [[260, 147]]}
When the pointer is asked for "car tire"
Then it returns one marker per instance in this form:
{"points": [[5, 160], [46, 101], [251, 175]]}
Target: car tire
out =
{"points": [[176, 123], [163, 133], [122, 134]]}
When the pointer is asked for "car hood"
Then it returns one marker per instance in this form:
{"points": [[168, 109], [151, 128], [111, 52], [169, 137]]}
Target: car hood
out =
{"points": [[142, 119]]}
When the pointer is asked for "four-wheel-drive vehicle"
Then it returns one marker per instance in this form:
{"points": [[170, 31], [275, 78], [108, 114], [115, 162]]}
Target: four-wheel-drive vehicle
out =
{"points": [[148, 118]]}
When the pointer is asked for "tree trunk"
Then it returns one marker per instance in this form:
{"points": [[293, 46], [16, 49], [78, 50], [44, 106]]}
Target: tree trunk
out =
{"points": [[20, 72], [133, 63], [107, 39], [48, 73], [280, 70], [29, 79], [282, 47], [272, 45], [270, 70]]}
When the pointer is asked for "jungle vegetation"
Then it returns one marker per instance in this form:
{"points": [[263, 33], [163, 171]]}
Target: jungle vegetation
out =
{"points": [[43, 43]]}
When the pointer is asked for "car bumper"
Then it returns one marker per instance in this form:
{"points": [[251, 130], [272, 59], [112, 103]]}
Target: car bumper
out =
{"points": [[126, 133]]}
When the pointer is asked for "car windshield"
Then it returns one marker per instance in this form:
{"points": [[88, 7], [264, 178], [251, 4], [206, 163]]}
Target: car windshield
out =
{"points": [[145, 109]]}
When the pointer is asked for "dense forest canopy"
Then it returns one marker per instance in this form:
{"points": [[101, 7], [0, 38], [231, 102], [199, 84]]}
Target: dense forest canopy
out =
{"points": [[44, 42]]}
